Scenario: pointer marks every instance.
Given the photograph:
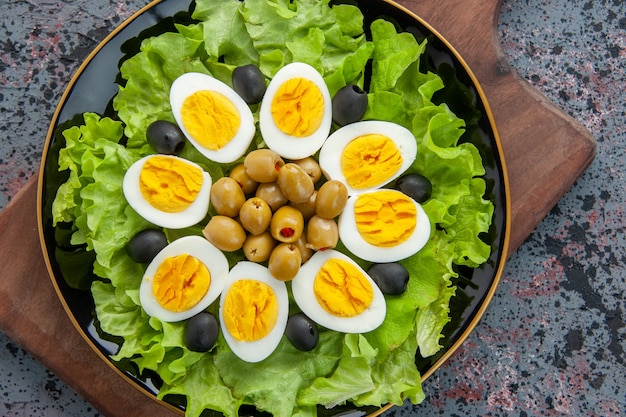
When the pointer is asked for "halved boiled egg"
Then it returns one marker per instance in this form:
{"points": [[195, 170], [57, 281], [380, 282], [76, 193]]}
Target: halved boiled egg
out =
{"points": [[254, 308], [367, 155], [183, 279], [296, 111], [215, 119], [335, 292], [168, 191], [383, 226]]}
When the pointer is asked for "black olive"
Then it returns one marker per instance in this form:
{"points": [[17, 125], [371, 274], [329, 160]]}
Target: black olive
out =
{"points": [[165, 137], [249, 83], [391, 278], [144, 246], [302, 332], [416, 186], [201, 332], [349, 105]]}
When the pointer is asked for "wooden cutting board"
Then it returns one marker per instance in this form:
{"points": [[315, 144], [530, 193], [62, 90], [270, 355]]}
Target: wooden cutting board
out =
{"points": [[545, 152]]}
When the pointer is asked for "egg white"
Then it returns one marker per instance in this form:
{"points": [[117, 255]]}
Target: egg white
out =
{"points": [[331, 151], [302, 287], [287, 146], [354, 242], [188, 217], [258, 350], [205, 252], [191, 82]]}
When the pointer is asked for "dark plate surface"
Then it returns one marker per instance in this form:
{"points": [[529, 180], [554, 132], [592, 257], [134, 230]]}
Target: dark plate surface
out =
{"points": [[94, 86]]}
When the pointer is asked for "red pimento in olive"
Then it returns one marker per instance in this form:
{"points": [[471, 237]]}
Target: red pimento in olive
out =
{"points": [[287, 224]]}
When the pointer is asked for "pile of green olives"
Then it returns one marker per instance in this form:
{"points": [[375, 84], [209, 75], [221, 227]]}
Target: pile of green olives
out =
{"points": [[274, 211]]}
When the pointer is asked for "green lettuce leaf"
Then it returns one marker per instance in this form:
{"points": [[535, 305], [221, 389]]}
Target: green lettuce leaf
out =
{"points": [[272, 385], [351, 378], [195, 386]]}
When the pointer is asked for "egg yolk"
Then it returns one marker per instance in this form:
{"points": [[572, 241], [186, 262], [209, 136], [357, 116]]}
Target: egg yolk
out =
{"points": [[298, 107], [210, 118], [169, 184], [250, 310], [370, 160], [385, 218], [180, 282], [341, 289]]}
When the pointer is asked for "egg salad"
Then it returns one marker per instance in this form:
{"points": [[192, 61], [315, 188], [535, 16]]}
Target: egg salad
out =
{"points": [[277, 209]]}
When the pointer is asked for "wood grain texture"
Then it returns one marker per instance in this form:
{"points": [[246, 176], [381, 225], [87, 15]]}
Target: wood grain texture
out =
{"points": [[545, 152], [32, 315]]}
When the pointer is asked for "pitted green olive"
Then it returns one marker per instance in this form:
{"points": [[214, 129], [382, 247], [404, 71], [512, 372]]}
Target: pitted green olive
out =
{"points": [[272, 194], [255, 215], [321, 233], [331, 199], [248, 185], [225, 233], [262, 165], [305, 252], [308, 207], [311, 167], [257, 248], [285, 261], [295, 184], [227, 197], [287, 224]]}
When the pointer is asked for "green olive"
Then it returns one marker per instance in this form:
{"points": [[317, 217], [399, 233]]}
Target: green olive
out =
{"points": [[331, 199], [287, 224], [227, 197], [255, 215], [321, 233], [305, 252], [257, 248], [307, 208], [224, 233], [271, 193], [248, 185], [262, 165], [295, 184], [311, 167], [285, 261]]}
